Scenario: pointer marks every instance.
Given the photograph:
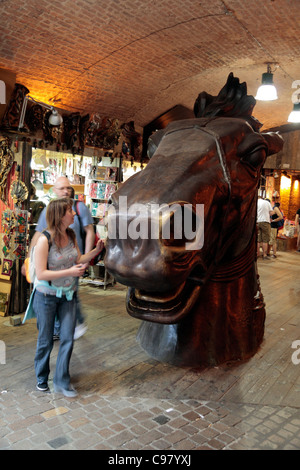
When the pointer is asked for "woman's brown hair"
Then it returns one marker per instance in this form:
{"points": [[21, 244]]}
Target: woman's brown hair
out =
{"points": [[56, 210]]}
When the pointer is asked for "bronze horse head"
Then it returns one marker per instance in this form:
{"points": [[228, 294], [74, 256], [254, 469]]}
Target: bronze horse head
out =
{"points": [[200, 302]]}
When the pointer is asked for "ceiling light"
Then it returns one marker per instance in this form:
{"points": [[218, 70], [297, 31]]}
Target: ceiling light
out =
{"points": [[55, 119], [295, 114], [267, 90]]}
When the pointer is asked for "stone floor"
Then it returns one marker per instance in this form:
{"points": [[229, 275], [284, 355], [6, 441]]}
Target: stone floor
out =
{"points": [[44, 421]]}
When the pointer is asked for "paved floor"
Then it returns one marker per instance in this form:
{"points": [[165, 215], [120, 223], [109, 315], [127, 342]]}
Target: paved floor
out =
{"points": [[45, 421], [129, 402]]}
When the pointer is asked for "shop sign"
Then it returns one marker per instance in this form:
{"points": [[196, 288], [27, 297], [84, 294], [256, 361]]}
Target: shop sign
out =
{"points": [[154, 221], [2, 353], [2, 92], [296, 354], [296, 93]]}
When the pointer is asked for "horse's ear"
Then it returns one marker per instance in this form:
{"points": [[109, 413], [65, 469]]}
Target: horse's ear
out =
{"points": [[274, 142], [201, 103], [154, 141]]}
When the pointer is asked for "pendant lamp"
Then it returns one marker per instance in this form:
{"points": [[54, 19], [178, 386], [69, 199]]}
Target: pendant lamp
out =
{"points": [[267, 90], [295, 113]]}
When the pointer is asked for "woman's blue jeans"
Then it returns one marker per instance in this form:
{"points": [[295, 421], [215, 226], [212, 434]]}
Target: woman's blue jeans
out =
{"points": [[47, 307]]}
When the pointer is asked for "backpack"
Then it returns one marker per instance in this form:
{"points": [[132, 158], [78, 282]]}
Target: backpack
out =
{"points": [[82, 231], [280, 223], [30, 263]]}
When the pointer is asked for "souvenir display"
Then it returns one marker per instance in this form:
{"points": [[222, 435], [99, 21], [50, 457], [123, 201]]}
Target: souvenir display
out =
{"points": [[19, 191], [133, 143], [6, 162], [98, 209], [111, 173], [4, 298], [11, 118], [101, 190], [86, 166], [6, 267], [109, 190], [15, 231], [100, 173], [102, 133]]}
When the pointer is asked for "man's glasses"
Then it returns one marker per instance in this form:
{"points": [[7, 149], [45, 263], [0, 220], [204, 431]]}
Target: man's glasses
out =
{"points": [[68, 188]]}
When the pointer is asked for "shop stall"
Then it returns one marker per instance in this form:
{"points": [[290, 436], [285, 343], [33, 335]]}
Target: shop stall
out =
{"points": [[15, 216], [281, 180], [89, 150]]}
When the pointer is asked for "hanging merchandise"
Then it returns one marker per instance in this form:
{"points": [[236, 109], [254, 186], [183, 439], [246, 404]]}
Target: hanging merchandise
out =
{"points": [[8, 227], [21, 234], [39, 160], [15, 222], [15, 230], [6, 162], [69, 166], [86, 166], [19, 191]]}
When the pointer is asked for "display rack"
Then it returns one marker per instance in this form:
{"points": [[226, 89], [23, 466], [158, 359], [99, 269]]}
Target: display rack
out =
{"points": [[99, 276], [101, 174], [101, 184]]}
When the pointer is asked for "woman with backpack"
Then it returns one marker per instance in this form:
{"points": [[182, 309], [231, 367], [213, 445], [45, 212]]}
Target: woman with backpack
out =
{"points": [[57, 267]]}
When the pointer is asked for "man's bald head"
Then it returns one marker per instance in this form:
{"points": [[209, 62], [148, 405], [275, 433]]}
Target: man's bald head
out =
{"points": [[62, 187]]}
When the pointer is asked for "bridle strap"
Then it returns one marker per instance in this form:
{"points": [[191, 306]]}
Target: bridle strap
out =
{"points": [[243, 262], [223, 165]]}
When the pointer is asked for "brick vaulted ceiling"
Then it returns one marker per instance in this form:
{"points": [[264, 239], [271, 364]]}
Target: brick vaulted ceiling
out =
{"points": [[135, 59]]}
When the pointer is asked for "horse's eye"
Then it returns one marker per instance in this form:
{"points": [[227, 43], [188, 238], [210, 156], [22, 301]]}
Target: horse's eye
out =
{"points": [[256, 156]]}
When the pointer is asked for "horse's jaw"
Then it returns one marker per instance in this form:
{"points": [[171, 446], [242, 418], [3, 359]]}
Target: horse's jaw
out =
{"points": [[166, 308], [172, 305]]}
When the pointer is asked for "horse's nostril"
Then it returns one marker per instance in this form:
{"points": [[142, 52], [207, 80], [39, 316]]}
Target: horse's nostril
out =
{"points": [[180, 227]]}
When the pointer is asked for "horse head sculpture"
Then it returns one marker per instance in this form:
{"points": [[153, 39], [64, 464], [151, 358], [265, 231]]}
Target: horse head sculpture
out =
{"points": [[198, 295]]}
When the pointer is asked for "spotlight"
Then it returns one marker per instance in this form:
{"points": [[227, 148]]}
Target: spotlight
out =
{"points": [[55, 119]]}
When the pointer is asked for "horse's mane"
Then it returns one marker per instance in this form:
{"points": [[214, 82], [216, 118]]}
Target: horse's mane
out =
{"points": [[232, 101]]}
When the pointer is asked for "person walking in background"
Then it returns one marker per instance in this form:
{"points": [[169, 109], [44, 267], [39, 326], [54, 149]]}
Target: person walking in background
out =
{"points": [[36, 207], [63, 188], [275, 219], [297, 224], [57, 269], [264, 212], [85, 235]]}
